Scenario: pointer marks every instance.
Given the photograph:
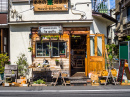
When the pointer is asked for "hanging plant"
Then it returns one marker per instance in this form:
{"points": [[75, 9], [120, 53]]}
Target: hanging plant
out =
{"points": [[49, 2], [30, 48]]}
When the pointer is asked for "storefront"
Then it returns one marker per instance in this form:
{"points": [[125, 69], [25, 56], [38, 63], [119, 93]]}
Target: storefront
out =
{"points": [[74, 48]]}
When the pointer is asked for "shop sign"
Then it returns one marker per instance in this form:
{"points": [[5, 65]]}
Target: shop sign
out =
{"points": [[50, 30], [50, 5]]}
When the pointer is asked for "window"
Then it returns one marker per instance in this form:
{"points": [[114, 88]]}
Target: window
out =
{"points": [[58, 48], [92, 46], [3, 5], [99, 46], [118, 17], [128, 11], [42, 49]]}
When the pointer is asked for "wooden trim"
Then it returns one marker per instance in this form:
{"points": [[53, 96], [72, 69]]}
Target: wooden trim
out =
{"points": [[88, 53], [2, 41], [76, 28], [45, 7], [70, 55], [95, 40]]}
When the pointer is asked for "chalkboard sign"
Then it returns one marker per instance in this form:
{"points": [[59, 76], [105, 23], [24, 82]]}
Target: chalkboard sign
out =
{"points": [[121, 70]]}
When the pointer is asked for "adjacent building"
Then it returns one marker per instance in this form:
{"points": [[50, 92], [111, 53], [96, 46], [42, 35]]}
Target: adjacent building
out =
{"points": [[122, 13], [4, 28]]}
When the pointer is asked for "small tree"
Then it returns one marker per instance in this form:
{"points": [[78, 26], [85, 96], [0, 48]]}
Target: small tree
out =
{"points": [[3, 60], [22, 65], [127, 38], [110, 50]]}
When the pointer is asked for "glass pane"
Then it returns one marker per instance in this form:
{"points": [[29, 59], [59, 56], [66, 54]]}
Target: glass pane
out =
{"points": [[55, 48], [92, 46], [46, 49], [99, 46], [39, 52], [39, 46], [62, 48]]}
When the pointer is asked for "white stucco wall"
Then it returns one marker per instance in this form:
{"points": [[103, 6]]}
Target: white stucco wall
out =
{"points": [[68, 15]]}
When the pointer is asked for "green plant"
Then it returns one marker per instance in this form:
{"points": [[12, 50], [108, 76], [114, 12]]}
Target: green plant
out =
{"points": [[57, 37], [22, 65], [49, 2], [12, 72], [39, 82], [111, 54], [56, 60], [4, 59], [127, 38], [30, 48], [48, 37], [50, 47]]}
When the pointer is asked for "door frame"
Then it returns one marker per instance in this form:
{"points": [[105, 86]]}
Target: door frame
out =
{"points": [[95, 58]]}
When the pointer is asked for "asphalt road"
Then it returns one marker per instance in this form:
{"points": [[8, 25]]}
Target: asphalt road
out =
{"points": [[67, 94], [68, 91]]}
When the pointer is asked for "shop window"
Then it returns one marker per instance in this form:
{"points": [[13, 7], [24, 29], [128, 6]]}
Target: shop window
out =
{"points": [[58, 48], [92, 46], [99, 46], [42, 49]]}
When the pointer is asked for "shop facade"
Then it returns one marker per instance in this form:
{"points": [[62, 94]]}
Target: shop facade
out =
{"points": [[77, 41]]}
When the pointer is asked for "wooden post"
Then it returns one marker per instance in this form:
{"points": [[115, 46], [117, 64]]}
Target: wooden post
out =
{"points": [[2, 41], [70, 55]]}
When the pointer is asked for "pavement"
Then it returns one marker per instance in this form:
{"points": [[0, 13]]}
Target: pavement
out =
{"points": [[64, 91]]}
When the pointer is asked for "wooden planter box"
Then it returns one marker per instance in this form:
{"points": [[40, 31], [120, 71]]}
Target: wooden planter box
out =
{"points": [[39, 85]]}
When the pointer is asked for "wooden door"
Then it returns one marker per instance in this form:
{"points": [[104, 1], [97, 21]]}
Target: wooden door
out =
{"points": [[95, 61]]}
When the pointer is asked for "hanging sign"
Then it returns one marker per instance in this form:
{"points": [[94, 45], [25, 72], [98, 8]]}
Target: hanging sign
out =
{"points": [[50, 5], [50, 30]]}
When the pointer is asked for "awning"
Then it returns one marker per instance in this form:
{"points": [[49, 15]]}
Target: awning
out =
{"points": [[109, 20]]}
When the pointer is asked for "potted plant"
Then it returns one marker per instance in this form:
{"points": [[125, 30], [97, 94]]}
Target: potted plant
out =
{"points": [[39, 82], [30, 48], [57, 37], [57, 62], [22, 65], [4, 59], [48, 37], [13, 74]]}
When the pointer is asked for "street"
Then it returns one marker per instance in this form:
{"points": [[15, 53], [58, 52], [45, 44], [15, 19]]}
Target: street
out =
{"points": [[66, 94], [68, 91]]}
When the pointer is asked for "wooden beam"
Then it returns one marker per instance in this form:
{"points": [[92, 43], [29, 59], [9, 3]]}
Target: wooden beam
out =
{"points": [[70, 55], [1, 40]]}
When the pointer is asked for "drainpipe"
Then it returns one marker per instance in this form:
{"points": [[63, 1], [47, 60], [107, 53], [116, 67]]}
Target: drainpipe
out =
{"points": [[82, 13]]}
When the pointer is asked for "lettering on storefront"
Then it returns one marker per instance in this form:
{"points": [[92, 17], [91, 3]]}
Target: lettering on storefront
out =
{"points": [[50, 5], [50, 8], [50, 30]]}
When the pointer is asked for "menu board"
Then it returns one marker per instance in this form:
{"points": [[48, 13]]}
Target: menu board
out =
{"points": [[121, 70]]}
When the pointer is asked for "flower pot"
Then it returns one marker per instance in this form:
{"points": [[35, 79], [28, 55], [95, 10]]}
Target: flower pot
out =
{"points": [[57, 63], [13, 75]]}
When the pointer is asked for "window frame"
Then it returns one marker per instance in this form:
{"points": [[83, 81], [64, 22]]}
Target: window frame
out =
{"points": [[58, 48], [42, 49], [50, 53]]}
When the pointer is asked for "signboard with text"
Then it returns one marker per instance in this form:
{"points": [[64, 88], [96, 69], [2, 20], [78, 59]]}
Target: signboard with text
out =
{"points": [[50, 30], [50, 5]]}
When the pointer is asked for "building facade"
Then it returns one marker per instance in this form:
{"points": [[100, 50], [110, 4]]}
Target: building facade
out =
{"points": [[65, 30], [122, 13], [4, 29]]}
